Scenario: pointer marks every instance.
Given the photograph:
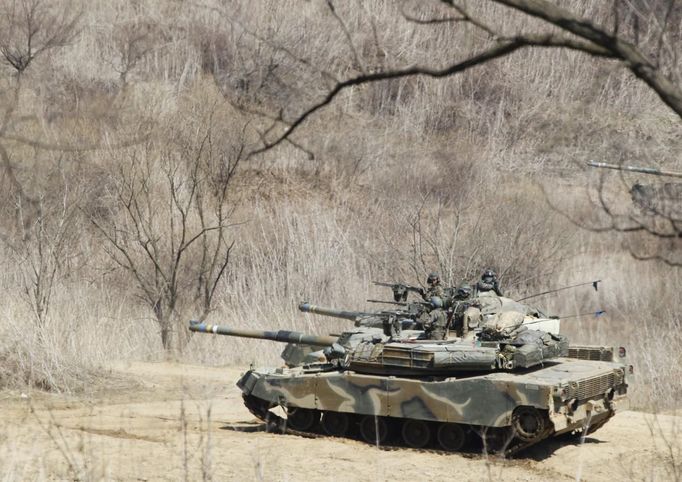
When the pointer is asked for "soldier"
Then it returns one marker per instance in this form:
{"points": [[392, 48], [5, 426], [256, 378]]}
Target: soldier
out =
{"points": [[488, 283], [466, 312], [435, 322], [434, 288]]}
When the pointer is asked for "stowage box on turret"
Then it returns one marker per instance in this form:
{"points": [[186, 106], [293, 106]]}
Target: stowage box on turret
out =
{"points": [[509, 393]]}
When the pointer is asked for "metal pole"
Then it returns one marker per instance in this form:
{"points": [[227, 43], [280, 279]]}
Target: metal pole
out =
{"points": [[643, 170], [594, 284]]}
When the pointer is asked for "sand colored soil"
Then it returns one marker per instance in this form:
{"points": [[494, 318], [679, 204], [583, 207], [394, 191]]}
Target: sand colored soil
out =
{"points": [[163, 421]]}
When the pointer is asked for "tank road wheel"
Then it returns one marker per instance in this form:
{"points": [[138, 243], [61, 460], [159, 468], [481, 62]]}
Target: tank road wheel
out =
{"points": [[302, 419], [451, 436], [528, 423], [416, 433], [335, 423], [374, 429]]}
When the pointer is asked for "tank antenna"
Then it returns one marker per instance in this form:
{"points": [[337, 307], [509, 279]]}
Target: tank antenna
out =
{"points": [[595, 285]]}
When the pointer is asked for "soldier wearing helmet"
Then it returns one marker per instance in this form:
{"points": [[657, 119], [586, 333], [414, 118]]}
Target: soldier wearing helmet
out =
{"points": [[435, 322], [434, 288], [488, 284], [466, 312]]}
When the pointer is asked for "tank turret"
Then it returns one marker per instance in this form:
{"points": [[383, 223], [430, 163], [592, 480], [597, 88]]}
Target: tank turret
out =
{"points": [[371, 351]]}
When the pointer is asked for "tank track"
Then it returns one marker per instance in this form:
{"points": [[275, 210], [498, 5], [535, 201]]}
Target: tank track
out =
{"points": [[505, 446]]}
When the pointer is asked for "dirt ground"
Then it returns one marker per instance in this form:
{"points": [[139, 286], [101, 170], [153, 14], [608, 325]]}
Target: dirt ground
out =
{"points": [[163, 421]]}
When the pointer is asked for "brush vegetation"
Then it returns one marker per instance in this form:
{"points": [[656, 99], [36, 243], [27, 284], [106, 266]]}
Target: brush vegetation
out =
{"points": [[130, 203]]}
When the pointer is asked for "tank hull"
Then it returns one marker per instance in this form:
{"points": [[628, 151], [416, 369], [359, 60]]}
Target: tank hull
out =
{"points": [[566, 395]]}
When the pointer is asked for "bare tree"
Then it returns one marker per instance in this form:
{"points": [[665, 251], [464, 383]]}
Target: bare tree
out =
{"points": [[133, 37], [569, 32], [647, 214], [168, 229], [440, 235], [649, 52], [43, 248], [29, 28]]}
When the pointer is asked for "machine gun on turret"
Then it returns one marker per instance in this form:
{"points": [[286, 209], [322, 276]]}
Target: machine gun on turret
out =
{"points": [[400, 290]]}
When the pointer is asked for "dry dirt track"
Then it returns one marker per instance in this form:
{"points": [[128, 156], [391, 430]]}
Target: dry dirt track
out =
{"points": [[161, 429]]}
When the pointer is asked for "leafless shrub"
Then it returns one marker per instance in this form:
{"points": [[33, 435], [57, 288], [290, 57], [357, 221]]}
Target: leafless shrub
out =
{"points": [[42, 250], [322, 227], [168, 227], [28, 28]]}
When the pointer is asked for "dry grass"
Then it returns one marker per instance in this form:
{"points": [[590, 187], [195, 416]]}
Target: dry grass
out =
{"points": [[408, 176]]}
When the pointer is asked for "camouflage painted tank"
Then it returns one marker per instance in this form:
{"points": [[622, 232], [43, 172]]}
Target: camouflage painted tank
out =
{"points": [[381, 389]]}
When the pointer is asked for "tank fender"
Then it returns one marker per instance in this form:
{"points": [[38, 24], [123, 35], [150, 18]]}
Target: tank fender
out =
{"points": [[248, 381], [584, 413]]}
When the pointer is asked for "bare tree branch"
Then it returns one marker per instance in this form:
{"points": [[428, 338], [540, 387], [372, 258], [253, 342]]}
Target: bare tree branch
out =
{"points": [[349, 40], [627, 53], [495, 52]]}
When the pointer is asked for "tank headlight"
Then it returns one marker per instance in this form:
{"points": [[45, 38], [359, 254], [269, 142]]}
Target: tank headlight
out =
{"points": [[561, 393], [622, 352]]}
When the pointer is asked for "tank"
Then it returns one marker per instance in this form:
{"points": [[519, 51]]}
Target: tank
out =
{"points": [[504, 395]]}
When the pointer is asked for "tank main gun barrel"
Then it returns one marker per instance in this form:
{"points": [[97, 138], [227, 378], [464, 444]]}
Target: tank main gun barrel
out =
{"points": [[283, 336], [644, 170], [319, 310]]}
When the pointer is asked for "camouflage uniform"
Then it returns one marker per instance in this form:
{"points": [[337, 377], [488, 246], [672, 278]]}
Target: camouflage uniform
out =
{"points": [[488, 284], [466, 311], [435, 322], [436, 327], [467, 316], [434, 291]]}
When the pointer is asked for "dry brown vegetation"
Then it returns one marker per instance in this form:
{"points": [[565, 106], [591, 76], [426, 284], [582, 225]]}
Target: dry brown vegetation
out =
{"points": [[125, 133]]}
